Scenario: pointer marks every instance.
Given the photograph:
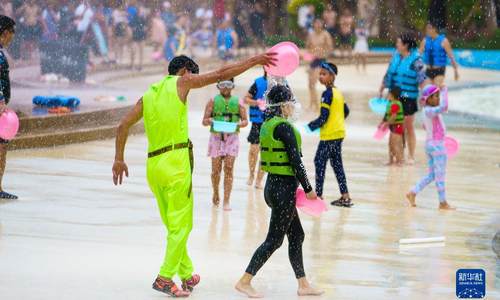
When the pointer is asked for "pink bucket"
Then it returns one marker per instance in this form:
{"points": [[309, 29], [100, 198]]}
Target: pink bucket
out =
{"points": [[381, 132], [451, 146], [9, 125], [311, 207]]}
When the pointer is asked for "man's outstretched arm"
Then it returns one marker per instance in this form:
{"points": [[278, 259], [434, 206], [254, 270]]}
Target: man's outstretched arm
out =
{"points": [[195, 81]]}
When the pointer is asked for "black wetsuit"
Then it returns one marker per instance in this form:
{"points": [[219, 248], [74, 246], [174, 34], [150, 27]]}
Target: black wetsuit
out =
{"points": [[279, 194]]}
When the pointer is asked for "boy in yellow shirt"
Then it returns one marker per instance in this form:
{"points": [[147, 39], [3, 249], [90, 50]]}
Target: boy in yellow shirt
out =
{"points": [[332, 133]]}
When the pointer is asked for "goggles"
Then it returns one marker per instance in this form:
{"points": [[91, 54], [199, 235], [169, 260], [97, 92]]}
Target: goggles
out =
{"points": [[227, 84]]}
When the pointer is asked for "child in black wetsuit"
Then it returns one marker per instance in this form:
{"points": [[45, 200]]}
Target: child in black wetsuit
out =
{"points": [[281, 158]]}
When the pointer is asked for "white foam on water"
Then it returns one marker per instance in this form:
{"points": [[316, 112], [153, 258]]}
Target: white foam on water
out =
{"points": [[484, 101]]}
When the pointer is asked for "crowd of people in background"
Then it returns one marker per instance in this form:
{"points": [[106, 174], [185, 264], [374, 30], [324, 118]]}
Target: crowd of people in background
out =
{"points": [[116, 32]]}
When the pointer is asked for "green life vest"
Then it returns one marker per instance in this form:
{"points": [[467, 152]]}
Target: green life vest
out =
{"points": [[400, 117], [228, 111], [165, 115], [273, 155]]}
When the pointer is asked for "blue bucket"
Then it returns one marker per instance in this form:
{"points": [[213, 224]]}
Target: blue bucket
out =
{"points": [[227, 127], [378, 105]]}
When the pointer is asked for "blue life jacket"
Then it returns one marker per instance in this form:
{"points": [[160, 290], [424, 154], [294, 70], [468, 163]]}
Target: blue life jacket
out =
{"points": [[403, 75], [434, 53], [256, 115], [224, 38]]}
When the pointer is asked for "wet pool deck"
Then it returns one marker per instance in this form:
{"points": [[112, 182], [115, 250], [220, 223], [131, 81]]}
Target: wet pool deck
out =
{"points": [[74, 235]]}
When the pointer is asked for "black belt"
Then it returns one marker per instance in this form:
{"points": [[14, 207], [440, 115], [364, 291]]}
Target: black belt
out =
{"points": [[275, 164], [273, 149], [189, 145], [166, 149]]}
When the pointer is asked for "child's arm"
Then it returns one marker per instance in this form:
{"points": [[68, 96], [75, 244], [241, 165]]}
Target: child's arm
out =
{"points": [[207, 116], [243, 117], [443, 104], [326, 101]]}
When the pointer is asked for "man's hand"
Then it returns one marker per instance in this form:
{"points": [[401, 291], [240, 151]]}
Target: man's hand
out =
{"points": [[312, 195], [456, 74], [119, 167], [266, 59]]}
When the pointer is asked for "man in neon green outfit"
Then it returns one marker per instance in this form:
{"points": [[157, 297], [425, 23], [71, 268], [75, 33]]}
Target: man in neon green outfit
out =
{"points": [[164, 108]]}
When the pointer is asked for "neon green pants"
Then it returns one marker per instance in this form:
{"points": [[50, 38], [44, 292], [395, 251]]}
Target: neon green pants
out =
{"points": [[169, 177]]}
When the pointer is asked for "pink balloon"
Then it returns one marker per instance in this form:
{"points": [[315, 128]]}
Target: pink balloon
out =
{"points": [[311, 207], [451, 146], [9, 125], [287, 55], [381, 132]]}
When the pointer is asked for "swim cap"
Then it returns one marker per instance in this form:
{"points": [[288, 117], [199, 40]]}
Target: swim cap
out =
{"points": [[428, 91]]}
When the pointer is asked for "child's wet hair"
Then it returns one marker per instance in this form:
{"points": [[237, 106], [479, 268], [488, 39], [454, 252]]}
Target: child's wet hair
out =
{"points": [[395, 92], [279, 93]]}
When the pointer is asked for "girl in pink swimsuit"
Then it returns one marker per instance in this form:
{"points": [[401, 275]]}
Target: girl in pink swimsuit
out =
{"points": [[435, 101]]}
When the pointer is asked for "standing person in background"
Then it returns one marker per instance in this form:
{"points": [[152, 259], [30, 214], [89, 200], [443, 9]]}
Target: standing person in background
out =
{"points": [[361, 45], [346, 22], [435, 48], [406, 71], [256, 20], [252, 98], [330, 19], [227, 41], [182, 30], [31, 27], [171, 45], [137, 24], [319, 43], [50, 21], [120, 30], [167, 15], [158, 31], [203, 40], [7, 31], [84, 15]]}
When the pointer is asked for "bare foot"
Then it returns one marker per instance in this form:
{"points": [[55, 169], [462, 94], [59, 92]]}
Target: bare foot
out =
{"points": [[250, 181], [309, 291], [258, 185], [215, 200], [227, 207], [446, 206], [411, 198], [389, 163], [248, 290], [411, 161]]}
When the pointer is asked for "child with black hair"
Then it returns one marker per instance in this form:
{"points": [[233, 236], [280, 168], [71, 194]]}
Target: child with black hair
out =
{"points": [[394, 119], [332, 133], [280, 145], [223, 147], [7, 32]]}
